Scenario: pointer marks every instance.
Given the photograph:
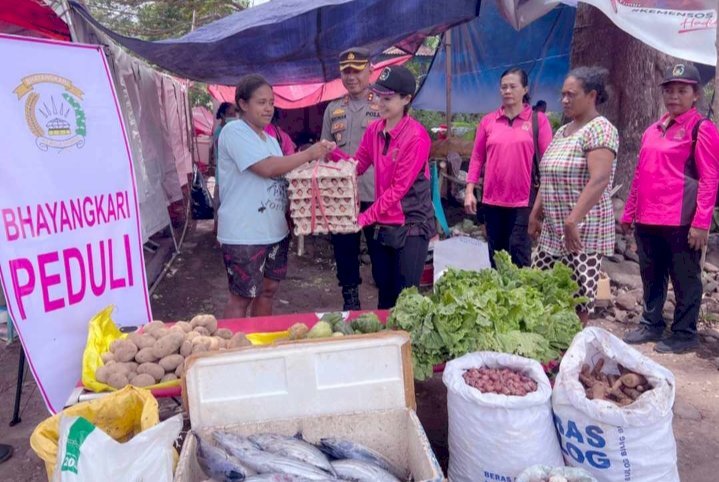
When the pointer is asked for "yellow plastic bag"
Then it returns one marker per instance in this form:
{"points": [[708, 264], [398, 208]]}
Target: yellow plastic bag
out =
{"points": [[102, 331], [121, 415]]}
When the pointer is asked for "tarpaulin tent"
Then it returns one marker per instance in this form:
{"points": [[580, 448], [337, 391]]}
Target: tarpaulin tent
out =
{"points": [[296, 41], [32, 18], [484, 48], [305, 95]]}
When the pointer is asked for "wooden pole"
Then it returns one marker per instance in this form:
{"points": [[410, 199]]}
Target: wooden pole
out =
{"points": [[448, 79]]}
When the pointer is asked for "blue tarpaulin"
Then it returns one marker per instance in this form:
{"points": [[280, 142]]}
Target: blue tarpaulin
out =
{"points": [[486, 47], [296, 41]]}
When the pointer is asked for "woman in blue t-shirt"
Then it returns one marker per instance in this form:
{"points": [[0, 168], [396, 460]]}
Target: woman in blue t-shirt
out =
{"points": [[252, 223]]}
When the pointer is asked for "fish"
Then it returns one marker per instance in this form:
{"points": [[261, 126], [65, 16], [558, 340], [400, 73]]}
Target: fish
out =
{"points": [[338, 448], [218, 464], [282, 478], [292, 447], [264, 462], [361, 471]]}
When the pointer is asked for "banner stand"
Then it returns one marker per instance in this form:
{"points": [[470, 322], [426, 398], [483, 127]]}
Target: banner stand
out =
{"points": [[18, 389]]}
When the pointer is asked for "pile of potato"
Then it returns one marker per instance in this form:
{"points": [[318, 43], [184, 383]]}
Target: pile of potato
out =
{"points": [[623, 389], [157, 353]]}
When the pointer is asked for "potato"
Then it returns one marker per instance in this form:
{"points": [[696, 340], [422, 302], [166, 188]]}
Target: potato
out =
{"points": [[131, 375], [117, 380], [214, 343], [177, 329], [180, 370], [146, 355], [170, 362], [202, 331], [153, 325], [192, 335], [186, 326], [167, 345], [142, 380], [153, 369], [160, 332], [207, 321], [110, 362], [107, 356], [125, 350], [115, 344], [141, 340], [186, 348], [131, 366], [225, 333], [238, 340], [102, 374], [168, 378], [199, 348]]}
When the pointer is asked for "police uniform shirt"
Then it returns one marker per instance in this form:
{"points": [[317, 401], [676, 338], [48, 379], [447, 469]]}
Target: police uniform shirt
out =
{"points": [[345, 121]]}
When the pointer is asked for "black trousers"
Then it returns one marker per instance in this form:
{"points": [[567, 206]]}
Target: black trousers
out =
{"points": [[507, 230], [664, 254], [347, 254], [398, 269]]}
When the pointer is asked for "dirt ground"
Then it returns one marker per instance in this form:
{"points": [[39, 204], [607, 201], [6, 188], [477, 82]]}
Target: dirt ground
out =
{"points": [[197, 283]]}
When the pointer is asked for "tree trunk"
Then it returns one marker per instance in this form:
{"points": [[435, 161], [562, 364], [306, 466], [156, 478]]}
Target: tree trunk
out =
{"points": [[635, 70]]}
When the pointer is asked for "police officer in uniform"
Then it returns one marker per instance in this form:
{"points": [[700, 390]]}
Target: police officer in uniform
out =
{"points": [[345, 121]]}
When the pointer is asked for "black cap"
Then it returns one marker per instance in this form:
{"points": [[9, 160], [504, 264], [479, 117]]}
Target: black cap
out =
{"points": [[685, 73], [356, 58], [395, 79]]}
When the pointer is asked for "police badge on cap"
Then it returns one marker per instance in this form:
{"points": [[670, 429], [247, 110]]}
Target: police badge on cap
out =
{"points": [[684, 73], [355, 58]]}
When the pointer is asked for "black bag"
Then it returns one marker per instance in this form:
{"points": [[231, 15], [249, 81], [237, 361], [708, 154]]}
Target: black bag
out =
{"points": [[200, 198], [392, 236], [691, 162]]}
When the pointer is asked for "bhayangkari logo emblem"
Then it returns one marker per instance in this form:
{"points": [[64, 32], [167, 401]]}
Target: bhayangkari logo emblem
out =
{"points": [[678, 70], [385, 74], [53, 111]]}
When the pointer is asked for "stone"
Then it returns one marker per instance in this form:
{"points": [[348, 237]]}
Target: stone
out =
{"points": [[620, 315], [626, 301], [686, 411], [620, 246], [710, 268], [623, 274], [671, 297], [711, 287], [616, 258], [631, 256], [716, 362]]}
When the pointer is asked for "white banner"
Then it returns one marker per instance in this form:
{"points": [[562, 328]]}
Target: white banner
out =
{"points": [[70, 241], [681, 28]]}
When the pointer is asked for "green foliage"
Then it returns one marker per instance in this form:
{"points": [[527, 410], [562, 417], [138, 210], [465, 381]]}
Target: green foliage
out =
{"points": [[161, 19], [523, 311]]}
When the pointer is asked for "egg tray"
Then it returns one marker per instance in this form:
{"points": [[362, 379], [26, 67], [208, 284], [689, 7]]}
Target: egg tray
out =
{"points": [[323, 198]]}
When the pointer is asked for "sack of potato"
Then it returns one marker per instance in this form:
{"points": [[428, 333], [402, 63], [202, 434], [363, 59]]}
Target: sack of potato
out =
{"points": [[151, 357]]}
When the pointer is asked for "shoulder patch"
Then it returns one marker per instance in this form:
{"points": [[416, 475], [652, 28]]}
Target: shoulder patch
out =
{"points": [[374, 107]]}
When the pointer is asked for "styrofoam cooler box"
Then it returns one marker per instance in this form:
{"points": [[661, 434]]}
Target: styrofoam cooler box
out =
{"points": [[202, 154], [358, 387]]}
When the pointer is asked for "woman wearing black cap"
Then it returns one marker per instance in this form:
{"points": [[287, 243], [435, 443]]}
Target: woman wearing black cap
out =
{"points": [[671, 205], [403, 215]]}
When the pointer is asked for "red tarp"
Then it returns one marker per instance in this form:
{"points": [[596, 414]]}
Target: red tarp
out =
{"points": [[32, 18], [305, 95], [202, 121]]}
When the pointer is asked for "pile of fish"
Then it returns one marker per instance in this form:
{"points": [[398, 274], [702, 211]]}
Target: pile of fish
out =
{"points": [[271, 457]]}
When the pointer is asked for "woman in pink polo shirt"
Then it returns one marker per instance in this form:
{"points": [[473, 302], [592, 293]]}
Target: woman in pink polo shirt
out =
{"points": [[505, 151], [671, 204], [403, 215]]}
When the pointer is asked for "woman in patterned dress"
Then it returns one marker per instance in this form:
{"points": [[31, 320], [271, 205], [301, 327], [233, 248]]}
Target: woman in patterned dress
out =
{"points": [[572, 216]]}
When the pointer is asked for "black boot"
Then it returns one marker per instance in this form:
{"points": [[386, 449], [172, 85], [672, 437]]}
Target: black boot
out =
{"points": [[351, 298]]}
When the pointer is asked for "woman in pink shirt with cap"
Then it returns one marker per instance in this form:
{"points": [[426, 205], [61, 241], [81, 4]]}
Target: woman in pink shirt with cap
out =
{"points": [[508, 146], [670, 205], [402, 214]]}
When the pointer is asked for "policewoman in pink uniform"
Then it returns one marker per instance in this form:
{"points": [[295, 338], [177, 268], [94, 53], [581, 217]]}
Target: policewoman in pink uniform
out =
{"points": [[402, 214], [670, 205], [504, 149]]}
